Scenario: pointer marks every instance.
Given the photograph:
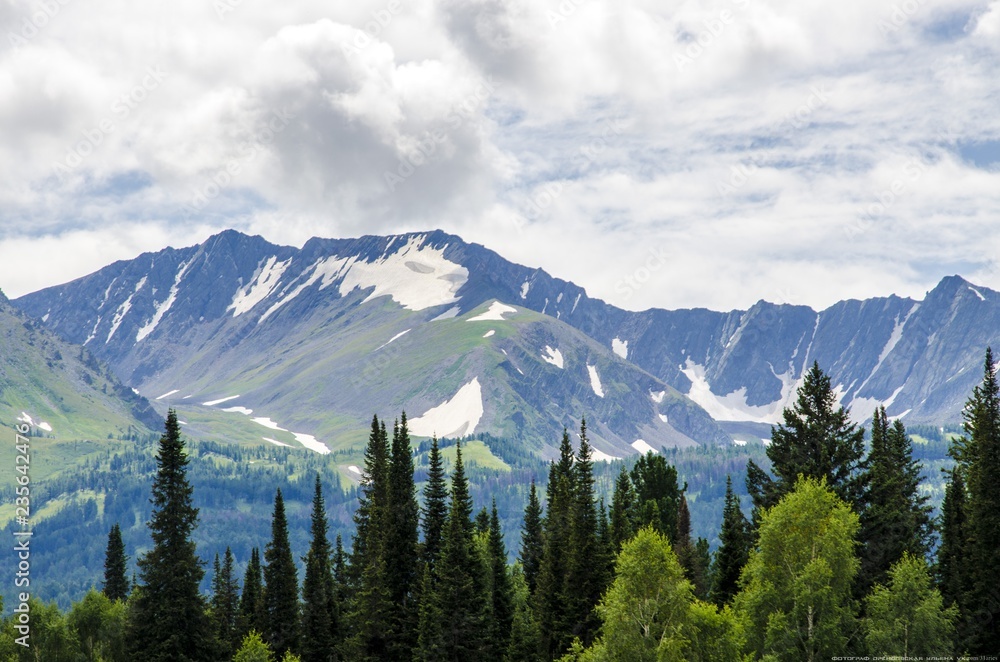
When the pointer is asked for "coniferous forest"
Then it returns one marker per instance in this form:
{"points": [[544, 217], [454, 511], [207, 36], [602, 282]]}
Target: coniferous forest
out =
{"points": [[841, 556]]}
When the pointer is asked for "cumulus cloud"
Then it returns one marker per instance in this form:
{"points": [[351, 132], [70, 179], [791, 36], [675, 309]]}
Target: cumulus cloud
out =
{"points": [[755, 148]]}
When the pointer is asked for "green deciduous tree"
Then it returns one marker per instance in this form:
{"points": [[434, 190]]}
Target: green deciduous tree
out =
{"points": [[99, 626], [796, 588], [254, 649], [907, 617]]}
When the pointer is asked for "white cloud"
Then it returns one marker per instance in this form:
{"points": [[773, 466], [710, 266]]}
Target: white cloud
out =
{"points": [[718, 151]]}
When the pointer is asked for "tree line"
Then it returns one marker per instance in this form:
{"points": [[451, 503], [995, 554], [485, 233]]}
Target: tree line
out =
{"points": [[840, 556]]}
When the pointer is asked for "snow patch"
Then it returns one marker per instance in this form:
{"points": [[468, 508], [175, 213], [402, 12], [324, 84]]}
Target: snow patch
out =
{"points": [[525, 286], [553, 356], [162, 308], [598, 456], [452, 418], [894, 338], [354, 470], [168, 394], [657, 396], [448, 314], [572, 310], [415, 276], [495, 313], [212, 403], [268, 423], [276, 442], [740, 442], [663, 417], [311, 443], [620, 347], [327, 269], [733, 406], [977, 293], [398, 335], [595, 381], [45, 317], [123, 310], [489, 333], [641, 446], [239, 410], [263, 283], [25, 418], [45, 426]]}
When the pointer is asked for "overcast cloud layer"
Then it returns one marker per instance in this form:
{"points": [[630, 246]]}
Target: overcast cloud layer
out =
{"points": [[670, 154]]}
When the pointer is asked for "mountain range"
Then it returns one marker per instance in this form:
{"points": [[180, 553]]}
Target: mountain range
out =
{"points": [[299, 346]]}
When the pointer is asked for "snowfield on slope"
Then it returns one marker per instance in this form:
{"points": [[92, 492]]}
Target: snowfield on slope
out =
{"points": [[495, 313], [453, 418]]}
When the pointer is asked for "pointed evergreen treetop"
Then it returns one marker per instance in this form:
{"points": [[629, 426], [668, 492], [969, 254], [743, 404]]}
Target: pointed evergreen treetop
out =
{"points": [[116, 584]]}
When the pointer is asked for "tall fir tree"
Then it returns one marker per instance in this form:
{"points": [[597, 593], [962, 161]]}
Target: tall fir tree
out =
{"points": [[226, 605], [977, 456], [550, 605], [168, 620], [816, 439], [954, 569], [435, 509], [657, 494], [689, 555], [896, 518], [281, 586], [460, 582], [401, 542], [583, 579], [115, 566], [502, 591], [430, 629], [252, 613], [319, 608], [623, 506], [531, 539], [370, 613], [734, 548]]}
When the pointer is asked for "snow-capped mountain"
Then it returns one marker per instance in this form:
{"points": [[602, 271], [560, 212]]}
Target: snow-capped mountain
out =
{"points": [[304, 344]]}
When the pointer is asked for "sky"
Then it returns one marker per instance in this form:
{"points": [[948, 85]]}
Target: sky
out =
{"points": [[666, 154]]}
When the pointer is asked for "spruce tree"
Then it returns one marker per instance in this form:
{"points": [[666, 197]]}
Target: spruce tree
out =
{"points": [[691, 555], [252, 613], [460, 583], [895, 520], [583, 580], [817, 440], [115, 566], [502, 592], [371, 607], [168, 620], [319, 608], [550, 598], [401, 543], [435, 510], [978, 457], [954, 569], [622, 511], [430, 629], [734, 548], [225, 605], [657, 494], [531, 540], [281, 587]]}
